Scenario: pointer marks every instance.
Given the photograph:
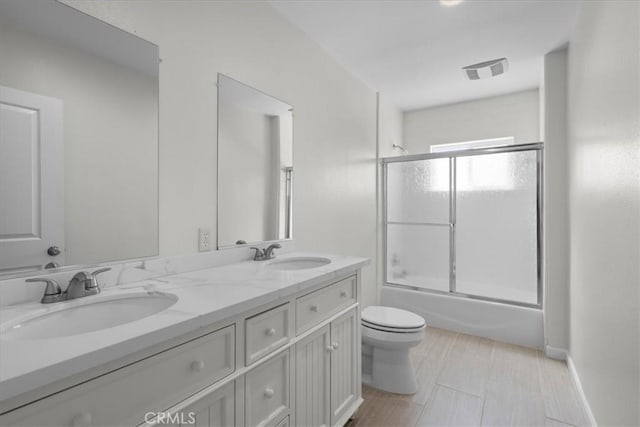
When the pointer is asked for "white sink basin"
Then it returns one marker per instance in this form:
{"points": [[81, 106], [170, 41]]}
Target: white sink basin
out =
{"points": [[299, 263], [88, 314]]}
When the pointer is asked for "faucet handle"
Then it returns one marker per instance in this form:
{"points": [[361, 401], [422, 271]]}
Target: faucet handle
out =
{"points": [[259, 255], [51, 293], [93, 286], [99, 271]]}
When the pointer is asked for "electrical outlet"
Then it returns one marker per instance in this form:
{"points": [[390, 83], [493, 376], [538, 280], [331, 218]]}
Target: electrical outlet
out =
{"points": [[204, 239]]}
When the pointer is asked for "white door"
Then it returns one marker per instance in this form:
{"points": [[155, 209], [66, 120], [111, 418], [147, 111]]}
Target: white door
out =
{"points": [[312, 379], [344, 378], [31, 181]]}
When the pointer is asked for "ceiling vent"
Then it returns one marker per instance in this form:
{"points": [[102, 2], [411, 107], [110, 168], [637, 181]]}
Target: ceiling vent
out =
{"points": [[484, 70]]}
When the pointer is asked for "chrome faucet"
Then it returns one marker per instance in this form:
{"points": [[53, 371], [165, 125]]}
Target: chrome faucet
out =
{"points": [[268, 253], [81, 285], [265, 254]]}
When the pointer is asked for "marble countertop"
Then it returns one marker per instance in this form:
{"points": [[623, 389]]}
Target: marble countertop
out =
{"points": [[204, 297]]}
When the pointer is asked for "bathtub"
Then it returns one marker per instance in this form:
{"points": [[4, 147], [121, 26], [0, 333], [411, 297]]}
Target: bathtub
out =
{"points": [[502, 322]]}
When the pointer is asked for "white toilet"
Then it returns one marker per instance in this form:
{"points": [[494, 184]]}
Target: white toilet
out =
{"points": [[388, 334]]}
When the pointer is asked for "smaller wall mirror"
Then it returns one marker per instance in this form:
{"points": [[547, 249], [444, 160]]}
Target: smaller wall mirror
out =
{"points": [[255, 165]]}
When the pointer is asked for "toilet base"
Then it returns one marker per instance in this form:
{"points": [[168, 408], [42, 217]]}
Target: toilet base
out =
{"points": [[392, 371], [387, 336]]}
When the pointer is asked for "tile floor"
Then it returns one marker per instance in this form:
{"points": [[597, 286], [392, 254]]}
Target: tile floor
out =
{"points": [[465, 380]]}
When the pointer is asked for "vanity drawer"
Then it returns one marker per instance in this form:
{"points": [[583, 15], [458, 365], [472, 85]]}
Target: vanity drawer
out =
{"points": [[266, 332], [122, 397], [267, 392], [321, 304]]}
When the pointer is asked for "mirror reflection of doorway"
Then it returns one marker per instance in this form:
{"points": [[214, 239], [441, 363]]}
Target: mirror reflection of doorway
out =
{"points": [[31, 181]]}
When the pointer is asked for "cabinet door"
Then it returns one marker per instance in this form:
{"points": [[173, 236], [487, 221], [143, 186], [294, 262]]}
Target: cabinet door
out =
{"points": [[216, 409], [312, 379], [343, 364]]}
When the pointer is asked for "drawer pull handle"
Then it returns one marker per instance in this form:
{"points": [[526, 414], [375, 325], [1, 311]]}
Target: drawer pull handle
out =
{"points": [[314, 308], [270, 332], [83, 419], [197, 365], [268, 392], [343, 294]]}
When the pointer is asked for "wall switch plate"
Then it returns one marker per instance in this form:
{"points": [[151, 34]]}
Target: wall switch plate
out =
{"points": [[204, 239]]}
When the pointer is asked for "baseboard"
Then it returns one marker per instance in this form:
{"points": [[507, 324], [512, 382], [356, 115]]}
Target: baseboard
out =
{"points": [[556, 353], [583, 397]]}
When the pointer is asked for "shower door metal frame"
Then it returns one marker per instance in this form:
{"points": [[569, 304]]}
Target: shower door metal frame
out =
{"points": [[538, 147]]}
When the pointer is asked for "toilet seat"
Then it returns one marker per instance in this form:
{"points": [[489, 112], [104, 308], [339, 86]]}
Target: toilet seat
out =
{"points": [[393, 330], [391, 319]]}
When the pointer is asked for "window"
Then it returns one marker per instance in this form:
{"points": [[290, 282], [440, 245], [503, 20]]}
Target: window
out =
{"points": [[483, 173]]}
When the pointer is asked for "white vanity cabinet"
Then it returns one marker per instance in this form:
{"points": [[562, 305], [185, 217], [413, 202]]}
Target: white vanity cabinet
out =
{"points": [[327, 372], [124, 396], [267, 392], [216, 408], [345, 365], [313, 379], [266, 332], [295, 361]]}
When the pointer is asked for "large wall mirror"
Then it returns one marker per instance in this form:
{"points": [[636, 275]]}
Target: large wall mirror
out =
{"points": [[255, 165], [78, 139]]}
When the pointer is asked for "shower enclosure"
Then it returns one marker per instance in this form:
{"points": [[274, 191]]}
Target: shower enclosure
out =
{"points": [[466, 224]]}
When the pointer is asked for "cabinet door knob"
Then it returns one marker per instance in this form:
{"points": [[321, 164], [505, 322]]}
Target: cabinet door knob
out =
{"points": [[83, 419], [269, 392], [270, 332], [197, 365], [314, 308], [335, 345]]}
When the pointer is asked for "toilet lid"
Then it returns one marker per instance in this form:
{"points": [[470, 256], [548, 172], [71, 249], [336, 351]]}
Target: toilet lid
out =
{"points": [[391, 318]]}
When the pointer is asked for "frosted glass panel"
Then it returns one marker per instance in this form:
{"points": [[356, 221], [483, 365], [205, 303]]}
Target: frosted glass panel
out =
{"points": [[496, 227], [418, 191], [418, 255]]}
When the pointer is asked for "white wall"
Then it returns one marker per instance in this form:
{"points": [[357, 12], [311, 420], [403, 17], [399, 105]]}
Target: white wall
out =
{"points": [[516, 115], [556, 217], [389, 125], [334, 123], [110, 144], [604, 210]]}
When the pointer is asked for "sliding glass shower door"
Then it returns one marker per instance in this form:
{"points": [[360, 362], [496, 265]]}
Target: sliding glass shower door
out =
{"points": [[466, 223], [418, 223]]}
